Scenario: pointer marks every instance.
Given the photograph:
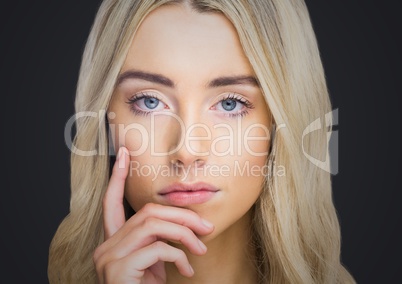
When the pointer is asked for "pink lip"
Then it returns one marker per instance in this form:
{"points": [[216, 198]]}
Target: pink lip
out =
{"points": [[180, 194]]}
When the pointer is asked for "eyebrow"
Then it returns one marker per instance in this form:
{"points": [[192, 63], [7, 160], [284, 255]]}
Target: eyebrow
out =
{"points": [[162, 80], [151, 77], [233, 80]]}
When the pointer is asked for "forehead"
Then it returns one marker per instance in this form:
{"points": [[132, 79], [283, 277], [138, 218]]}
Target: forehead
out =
{"points": [[173, 39]]}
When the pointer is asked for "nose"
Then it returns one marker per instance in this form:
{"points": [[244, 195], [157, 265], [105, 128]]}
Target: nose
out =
{"points": [[191, 143]]}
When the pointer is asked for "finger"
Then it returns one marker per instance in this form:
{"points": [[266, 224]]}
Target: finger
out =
{"points": [[152, 230], [160, 251], [175, 215], [133, 266], [147, 233], [179, 216], [113, 209]]}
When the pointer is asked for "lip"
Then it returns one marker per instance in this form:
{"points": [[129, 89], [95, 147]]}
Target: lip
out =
{"points": [[180, 194]]}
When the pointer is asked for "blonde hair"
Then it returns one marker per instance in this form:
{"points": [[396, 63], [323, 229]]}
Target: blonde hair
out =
{"points": [[296, 230]]}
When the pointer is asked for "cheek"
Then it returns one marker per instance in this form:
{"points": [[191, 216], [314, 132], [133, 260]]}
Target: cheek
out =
{"points": [[150, 136], [126, 130], [134, 136], [139, 183], [249, 173], [256, 141], [140, 180]]}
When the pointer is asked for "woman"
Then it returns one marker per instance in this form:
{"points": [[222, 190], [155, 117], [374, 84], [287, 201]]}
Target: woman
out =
{"points": [[205, 101]]}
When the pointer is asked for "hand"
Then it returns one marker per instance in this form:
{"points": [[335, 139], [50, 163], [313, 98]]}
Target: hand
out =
{"points": [[135, 250]]}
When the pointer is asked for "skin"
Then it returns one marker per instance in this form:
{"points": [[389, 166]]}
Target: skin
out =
{"points": [[160, 241]]}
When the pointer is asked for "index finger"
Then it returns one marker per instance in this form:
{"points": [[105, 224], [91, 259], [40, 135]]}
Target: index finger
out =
{"points": [[113, 208]]}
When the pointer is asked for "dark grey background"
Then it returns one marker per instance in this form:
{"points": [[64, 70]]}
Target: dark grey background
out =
{"points": [[41, 46]]}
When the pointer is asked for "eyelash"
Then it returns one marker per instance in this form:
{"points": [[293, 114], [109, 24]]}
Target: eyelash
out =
{"points": [[232, 96], [238, 98], [131, 101]]}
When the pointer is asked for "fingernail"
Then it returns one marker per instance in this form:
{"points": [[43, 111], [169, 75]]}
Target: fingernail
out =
{"points": [[119, 153], [191, 269], [207, 224], [202, 245], [120, 158]]}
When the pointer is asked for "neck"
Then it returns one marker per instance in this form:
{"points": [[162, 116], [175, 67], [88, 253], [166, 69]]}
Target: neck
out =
{"points": [[229, 259]]}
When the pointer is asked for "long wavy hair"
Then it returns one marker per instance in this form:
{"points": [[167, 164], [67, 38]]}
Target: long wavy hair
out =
{"points": [[295, 227]]}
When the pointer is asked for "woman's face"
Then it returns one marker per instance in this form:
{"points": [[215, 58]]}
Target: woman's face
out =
{"points": [[189, 109]]}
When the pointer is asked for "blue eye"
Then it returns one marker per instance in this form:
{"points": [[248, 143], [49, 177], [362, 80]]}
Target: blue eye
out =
{"points": [[151, 103], [228, 104], [144, 103], [233, 105]]}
